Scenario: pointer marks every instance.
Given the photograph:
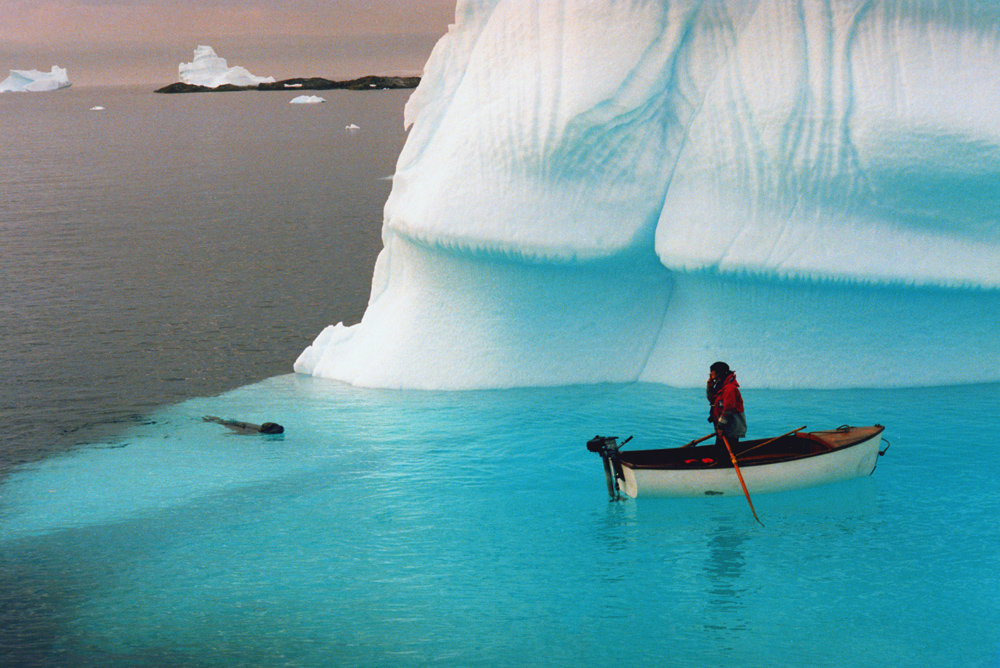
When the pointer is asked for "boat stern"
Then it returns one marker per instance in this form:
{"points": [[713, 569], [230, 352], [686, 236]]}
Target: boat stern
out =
{"points": [[608, 448]]}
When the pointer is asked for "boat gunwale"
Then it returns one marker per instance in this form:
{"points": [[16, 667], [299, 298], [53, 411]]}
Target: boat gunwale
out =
{"points": [[695, 460]]}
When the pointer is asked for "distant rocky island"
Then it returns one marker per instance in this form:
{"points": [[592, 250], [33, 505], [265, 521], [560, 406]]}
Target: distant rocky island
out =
{"points": [[370, 82]]}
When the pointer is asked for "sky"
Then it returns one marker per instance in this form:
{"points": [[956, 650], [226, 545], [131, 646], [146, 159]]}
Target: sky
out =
{"points": [[118, 42]]}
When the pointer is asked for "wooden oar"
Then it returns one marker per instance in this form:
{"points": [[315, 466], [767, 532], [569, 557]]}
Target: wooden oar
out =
{"points": [[698, 440], [772, 440], [739, 475]]}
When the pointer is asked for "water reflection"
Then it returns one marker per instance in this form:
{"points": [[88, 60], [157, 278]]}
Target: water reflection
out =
{"points": [[724, 575]]}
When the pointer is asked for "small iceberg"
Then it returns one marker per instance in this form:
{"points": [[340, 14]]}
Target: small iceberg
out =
{"points": [[97, 108], [306, 99], [34, 81], [209, 70], [352, 128]]}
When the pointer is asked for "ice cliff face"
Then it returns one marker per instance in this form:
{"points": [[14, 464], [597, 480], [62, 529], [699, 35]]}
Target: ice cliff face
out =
{"points": [[208, 69], [617, 191], [20, 81]]}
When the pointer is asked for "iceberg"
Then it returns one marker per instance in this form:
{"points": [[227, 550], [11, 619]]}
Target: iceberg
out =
{"points": [[306, 99], [604, 191], [209, 70], [20, 81]]}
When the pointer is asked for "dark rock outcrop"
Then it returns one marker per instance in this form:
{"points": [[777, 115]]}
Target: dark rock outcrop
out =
{"points": [[370, 82]]}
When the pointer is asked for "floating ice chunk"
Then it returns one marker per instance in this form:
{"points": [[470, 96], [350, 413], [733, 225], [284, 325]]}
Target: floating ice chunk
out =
{"points": [[97, 108], [352, 128], [208, 69], [306, 99], [35, 81]]}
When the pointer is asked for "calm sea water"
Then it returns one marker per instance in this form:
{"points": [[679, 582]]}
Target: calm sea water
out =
{"points": [[175, 245], [160, 263], [473, 528]]}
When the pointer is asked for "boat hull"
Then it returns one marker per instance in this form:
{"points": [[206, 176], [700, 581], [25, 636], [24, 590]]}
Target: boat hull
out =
{"points": [[854, 461]]}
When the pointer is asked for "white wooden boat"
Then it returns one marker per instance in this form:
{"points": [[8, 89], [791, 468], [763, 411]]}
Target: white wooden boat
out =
{"points": [[797, 459]]}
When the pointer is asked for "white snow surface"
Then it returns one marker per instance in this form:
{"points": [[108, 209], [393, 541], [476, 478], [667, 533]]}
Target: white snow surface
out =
{"points": [[609, 191], [34, 81], [210, 70]]}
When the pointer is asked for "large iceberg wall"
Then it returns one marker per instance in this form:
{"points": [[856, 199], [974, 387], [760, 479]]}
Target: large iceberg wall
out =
{"points": [[628, 191]]}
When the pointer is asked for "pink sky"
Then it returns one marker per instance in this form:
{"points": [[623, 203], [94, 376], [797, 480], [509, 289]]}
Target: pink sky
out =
{"points": [[143, 41]]}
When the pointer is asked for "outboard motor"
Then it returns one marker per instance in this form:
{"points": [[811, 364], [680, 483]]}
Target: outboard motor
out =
{"points": [[607, 447]]}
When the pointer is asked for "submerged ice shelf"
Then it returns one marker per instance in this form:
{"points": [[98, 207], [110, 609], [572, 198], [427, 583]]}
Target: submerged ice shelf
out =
{"points": [[422, 525], [612, 192]]}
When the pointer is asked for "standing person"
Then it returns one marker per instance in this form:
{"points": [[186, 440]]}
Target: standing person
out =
{"points": [[726, 411]]}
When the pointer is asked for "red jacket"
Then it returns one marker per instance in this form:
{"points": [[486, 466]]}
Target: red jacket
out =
{"points": [[725, 398]]}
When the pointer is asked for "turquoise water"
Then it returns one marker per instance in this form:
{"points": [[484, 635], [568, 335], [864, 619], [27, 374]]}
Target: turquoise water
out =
{"points": [[473, 528]]}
